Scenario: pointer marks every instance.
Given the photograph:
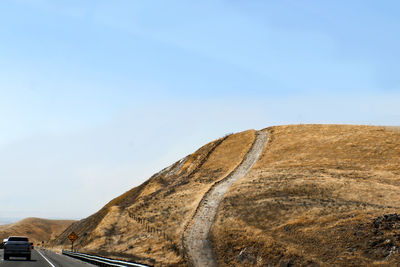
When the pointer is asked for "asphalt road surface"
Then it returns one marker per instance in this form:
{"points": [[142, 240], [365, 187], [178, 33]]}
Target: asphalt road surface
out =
{"points": [[43, 258]]}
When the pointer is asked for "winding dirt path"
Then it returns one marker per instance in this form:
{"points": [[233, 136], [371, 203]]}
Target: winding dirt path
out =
{"points": [[197, 241]]}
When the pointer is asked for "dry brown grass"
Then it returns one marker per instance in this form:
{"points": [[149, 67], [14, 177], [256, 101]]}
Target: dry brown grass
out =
{"points": [[147, 222], [35, 228], [313, 198]]}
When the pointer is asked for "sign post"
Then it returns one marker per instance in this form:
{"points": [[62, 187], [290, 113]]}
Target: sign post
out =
{"points": [[72, 236]]}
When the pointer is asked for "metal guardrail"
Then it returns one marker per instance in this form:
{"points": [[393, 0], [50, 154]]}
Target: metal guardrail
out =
{"points": [[100, 261]]}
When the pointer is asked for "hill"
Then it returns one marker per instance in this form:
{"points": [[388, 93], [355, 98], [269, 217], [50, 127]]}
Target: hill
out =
{"points": [[316, 195], [319, 195], [36, 229], [147, 222]]}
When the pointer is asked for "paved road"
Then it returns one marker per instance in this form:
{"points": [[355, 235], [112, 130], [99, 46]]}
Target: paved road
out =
{"points": [[43, 258]]}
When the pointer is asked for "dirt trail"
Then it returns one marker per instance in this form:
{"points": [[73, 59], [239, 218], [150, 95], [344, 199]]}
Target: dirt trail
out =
{"points": [[197, 241]]}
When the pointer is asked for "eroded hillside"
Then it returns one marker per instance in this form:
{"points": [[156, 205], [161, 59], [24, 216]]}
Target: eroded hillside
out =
{"points": [[36, 229], [324, 195]]}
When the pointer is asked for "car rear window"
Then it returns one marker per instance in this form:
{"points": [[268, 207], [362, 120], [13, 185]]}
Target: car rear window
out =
{"points": [[17, 239]]}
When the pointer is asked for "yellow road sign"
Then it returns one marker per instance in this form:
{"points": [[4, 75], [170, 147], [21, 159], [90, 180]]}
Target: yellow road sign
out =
{"points": [[73, 236]]}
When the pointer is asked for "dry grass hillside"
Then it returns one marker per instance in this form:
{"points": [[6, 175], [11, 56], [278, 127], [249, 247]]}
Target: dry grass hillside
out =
{"points": [[146, 223], [36, 229], [319, 195]]}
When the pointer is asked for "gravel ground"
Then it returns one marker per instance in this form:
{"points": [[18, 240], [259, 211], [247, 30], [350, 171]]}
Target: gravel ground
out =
{"points": [[197, 240]]}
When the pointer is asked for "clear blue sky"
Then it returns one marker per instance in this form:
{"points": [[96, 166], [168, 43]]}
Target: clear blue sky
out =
{"points": [[96, 96]]}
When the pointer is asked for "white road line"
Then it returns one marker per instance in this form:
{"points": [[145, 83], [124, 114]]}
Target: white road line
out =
{"points": [[51, 264]]}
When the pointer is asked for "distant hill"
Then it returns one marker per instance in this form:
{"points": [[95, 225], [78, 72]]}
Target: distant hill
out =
{"points": [[317, 195], [35, 228]]}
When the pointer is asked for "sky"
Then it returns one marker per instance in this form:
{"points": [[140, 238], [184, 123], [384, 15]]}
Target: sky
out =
{"points": [[96, 96]]}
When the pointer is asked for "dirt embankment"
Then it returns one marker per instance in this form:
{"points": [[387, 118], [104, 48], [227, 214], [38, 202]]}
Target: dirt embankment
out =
{"points": [[197, 241]]}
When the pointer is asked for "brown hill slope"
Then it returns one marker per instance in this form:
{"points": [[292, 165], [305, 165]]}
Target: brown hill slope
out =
{"points": [[316, 196], [147, 222], [35, 228]]}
